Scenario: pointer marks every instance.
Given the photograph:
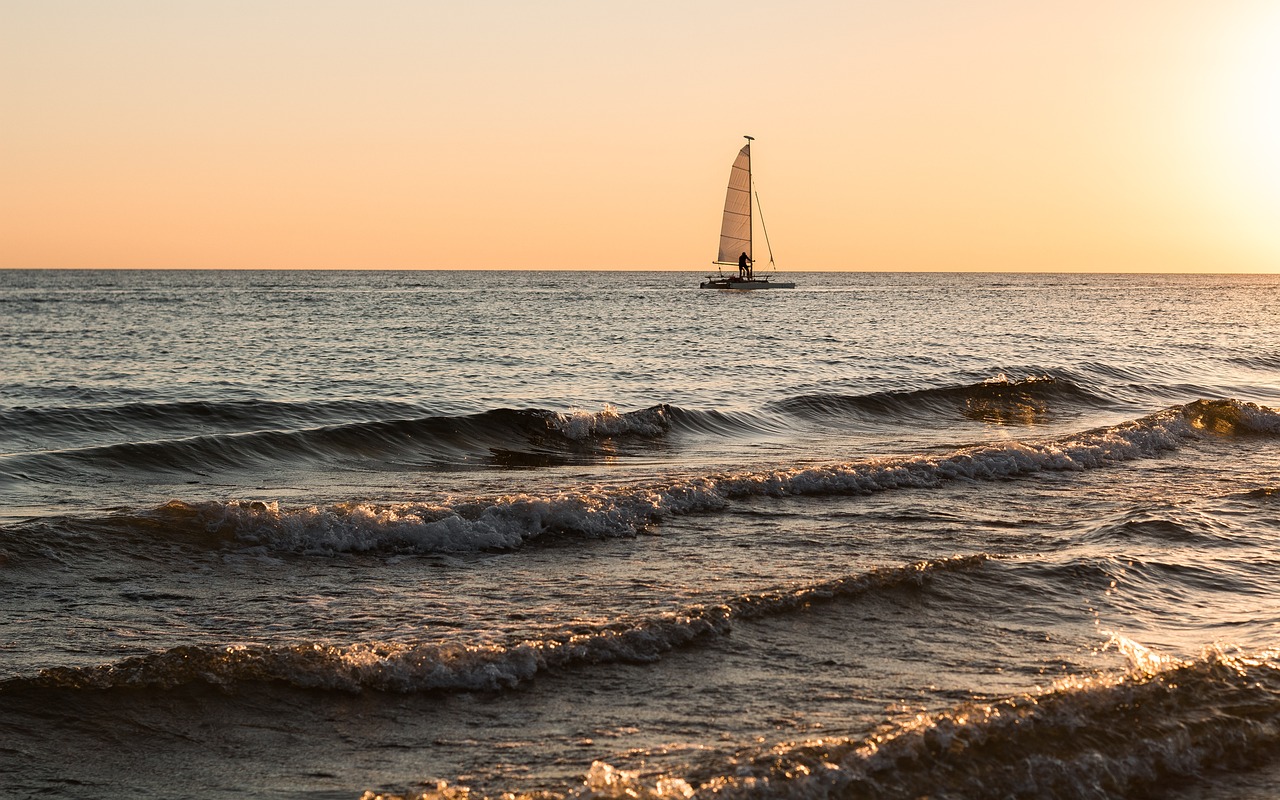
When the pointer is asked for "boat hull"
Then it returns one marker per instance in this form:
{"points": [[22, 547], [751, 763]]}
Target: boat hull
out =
{"points": [[736, 283]]}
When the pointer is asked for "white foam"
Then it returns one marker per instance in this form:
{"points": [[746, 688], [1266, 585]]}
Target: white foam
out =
{"points": [[1093, 736], [508, 521], [580, 425]]}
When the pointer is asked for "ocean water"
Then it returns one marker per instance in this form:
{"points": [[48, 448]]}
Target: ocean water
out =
{"points": [[345, 534]]}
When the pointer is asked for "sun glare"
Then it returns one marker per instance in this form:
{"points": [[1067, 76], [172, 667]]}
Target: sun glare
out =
{"points": [[1242, 126], [1251, 118]]}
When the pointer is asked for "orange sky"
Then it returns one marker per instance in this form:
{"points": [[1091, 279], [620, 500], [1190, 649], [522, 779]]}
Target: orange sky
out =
{"points": [[1056, 135]]}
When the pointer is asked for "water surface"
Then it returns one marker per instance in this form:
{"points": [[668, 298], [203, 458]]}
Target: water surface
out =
{"points": [[300, 534]]}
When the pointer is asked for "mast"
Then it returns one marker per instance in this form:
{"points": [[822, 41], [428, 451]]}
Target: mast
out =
{"points": [[751, 251]]}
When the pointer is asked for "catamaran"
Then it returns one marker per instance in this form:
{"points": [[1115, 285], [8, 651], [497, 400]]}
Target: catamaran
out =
{"points": [[735, 232]]}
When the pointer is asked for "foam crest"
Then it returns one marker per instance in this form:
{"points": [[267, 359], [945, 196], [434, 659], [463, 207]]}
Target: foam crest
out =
{"points": [[503, 522], [1142, 660], [580, 425], [1232, 417], [602, 782], [509, 521], [419, 667]]}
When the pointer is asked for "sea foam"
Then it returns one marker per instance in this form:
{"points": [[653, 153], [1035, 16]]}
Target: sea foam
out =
{"points": [[509, 521]]}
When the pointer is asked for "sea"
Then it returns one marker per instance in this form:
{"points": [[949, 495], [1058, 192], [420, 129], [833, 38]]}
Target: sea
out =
{"points": [[454, 534]]}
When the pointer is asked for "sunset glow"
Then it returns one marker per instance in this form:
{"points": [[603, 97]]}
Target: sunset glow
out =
{"points": [[916, 135], [1242, 131]]}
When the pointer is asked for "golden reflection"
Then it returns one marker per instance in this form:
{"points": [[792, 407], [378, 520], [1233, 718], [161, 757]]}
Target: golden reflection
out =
{"points": [[1013, 410], [1003, 402]]}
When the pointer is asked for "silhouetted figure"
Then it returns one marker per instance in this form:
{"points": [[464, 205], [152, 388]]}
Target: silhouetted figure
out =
{"points": [[744, 266]]}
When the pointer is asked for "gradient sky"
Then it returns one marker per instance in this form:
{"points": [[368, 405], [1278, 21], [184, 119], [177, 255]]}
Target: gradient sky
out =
{"points": [[1055, 135]]}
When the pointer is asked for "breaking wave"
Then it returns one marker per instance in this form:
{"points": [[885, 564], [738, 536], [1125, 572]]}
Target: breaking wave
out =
{"points": [[509, 521], [1103, 736], [1162, 722], [407, 667]]}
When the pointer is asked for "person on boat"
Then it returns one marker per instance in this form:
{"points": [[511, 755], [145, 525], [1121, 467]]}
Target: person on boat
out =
{"points": [[744, 266]]}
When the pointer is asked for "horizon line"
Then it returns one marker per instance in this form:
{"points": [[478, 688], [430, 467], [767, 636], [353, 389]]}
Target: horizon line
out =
{"points": [[673, 270]]}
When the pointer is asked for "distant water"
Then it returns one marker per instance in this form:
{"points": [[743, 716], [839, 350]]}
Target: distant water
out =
{"points": [[317, 534]]}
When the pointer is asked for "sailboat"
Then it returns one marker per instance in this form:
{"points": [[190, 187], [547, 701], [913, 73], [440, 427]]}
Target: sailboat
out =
{"points": [[735, 232]]}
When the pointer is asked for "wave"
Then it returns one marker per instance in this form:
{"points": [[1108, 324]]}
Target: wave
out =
{"points": [[999, 400], [260, 415], [201, 435], [45, 443], [1268, 363], [505, 437], [1161, 722], [1263, 493], [407, 667], [509, 521], [1084, 737], [80, 422]]}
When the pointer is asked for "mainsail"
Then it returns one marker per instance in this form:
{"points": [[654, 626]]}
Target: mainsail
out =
{"points": [[735, 230]]}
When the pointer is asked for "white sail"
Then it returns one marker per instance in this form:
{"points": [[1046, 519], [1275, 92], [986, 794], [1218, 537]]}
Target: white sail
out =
{"points": [[735, 231]]}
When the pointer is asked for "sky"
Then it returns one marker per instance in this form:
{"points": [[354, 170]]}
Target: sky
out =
{"points": [[932, 135]]}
